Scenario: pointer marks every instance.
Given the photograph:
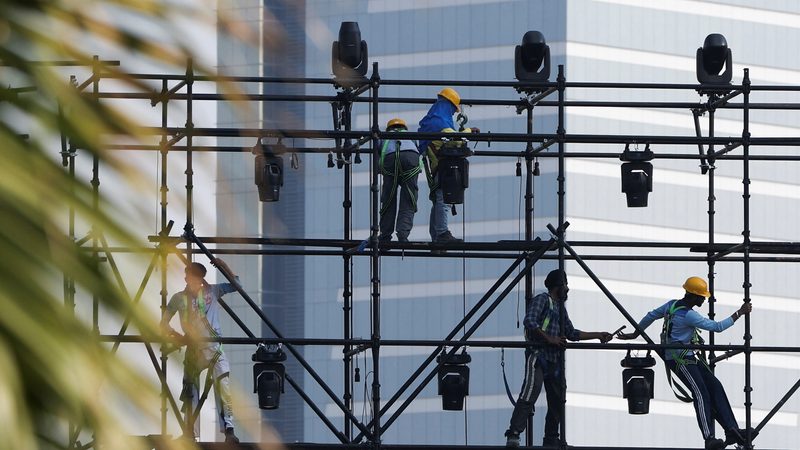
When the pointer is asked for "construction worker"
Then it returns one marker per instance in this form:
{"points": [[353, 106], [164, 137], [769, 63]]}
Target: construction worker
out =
{"points": [[439, 119], [681, 324], [543, 358], [400, 165], [199, 311]]}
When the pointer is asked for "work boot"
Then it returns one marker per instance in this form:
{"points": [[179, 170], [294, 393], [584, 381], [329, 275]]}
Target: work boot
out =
{"points": [[512, 439], [402, 238], [714, 444], [447, 238], [230, 436], [738, 436], [385, 238]]}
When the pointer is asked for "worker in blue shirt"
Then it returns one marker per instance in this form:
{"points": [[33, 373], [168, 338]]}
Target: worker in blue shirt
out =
{"points": [[681, 324], [439, 119], [542, 358]]}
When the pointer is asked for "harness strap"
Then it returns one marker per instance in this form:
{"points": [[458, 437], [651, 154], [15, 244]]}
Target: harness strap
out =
{"points": [[505, 378], [681, 392], [397, 175]]}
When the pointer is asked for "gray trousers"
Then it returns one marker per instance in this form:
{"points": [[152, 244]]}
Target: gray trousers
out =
{"points": [[531, 388], [404, 215]]}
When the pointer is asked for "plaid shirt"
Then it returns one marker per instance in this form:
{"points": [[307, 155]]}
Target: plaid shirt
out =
{"points": [[536, 311]]}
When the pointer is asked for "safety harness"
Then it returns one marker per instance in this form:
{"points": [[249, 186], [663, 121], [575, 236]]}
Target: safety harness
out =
{"points": [[398, 176], [680, 356]]}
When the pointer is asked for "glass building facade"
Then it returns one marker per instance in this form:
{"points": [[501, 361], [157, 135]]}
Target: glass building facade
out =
{"points": [[423, 298]]}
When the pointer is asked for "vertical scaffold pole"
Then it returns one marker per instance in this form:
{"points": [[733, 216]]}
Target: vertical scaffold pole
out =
{"points": [[163, 254], [711, 231], [190, 413], [375, 263], [561, 132], [529, 232], [95, 196], [347, 294], [748, 389], [189, 169]]}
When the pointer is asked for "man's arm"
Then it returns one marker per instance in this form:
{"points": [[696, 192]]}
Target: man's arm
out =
{"points": [[695, 319], [169, 313], [646, 321], [601, 335], [578, 335], [223, 267], [225, 288]]}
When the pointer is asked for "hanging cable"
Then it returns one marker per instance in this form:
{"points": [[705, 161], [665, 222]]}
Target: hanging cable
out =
{"points": [[519, 238], [464, 267]]}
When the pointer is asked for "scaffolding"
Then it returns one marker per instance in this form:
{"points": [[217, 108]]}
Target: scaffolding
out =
{"points": [[523, 254]]}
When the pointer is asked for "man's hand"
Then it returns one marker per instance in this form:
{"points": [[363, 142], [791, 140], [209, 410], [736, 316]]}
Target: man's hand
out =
{"points": [[627, 336], [223, 266], [744, 309], [475, 129], [173, 335], [605, 337], [556, 341]]}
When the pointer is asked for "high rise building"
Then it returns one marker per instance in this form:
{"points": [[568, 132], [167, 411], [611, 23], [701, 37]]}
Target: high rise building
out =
{"points": [[423, 298]]}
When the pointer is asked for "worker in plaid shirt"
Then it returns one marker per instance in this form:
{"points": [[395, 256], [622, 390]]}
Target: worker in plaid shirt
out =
{"points": [[542, 358]]}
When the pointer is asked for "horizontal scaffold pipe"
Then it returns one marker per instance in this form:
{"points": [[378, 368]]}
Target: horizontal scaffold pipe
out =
{"points": [[511, 245], [454, 254], [470, 83], [326, 150], [451, 343], [178, 96], [474, 137]]}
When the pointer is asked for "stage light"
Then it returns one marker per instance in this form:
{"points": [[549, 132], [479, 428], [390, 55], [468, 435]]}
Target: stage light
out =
{"points": [[269, 170], [711, 58], [637, 176], [453, 380], [637, 382], [268, 375], [349, 58], [532, 58]]}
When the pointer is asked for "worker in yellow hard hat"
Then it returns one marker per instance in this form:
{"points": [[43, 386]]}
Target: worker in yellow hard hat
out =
{"points": [[682, 325], [439, 119], [400, 166]]}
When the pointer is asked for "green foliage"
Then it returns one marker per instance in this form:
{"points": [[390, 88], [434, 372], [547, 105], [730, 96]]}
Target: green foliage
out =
{"points": [[54, 370]]}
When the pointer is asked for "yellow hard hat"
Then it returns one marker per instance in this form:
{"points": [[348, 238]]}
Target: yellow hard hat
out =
{"points": [[697, 285], [452, 95], [396, 122]]}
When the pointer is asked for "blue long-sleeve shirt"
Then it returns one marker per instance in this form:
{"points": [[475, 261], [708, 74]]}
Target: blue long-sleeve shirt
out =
{"points": [[439, 117], [684, 325]]}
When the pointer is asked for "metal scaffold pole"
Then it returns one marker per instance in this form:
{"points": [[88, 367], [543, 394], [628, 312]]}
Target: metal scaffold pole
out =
{"points": [[562, 407], [524, 253], [748, 388], [375, 262]]}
